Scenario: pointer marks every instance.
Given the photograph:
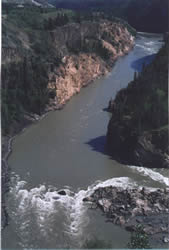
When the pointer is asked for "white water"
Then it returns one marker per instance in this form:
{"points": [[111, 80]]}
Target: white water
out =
{"points": [[44, 204], [151, 174], [44, 201], [148, 47]]}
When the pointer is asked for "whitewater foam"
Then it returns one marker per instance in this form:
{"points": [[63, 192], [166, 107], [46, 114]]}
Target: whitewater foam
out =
{"points": [[152, 174], [45, 202], [146, 48], [43, 206]]}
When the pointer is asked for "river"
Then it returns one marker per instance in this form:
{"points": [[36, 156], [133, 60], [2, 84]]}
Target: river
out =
{"points": [[65, 150]]}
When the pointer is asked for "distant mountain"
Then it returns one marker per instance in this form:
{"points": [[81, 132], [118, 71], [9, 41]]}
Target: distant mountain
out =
{"points": [[144, 15], [151, 15], [90, 4]]}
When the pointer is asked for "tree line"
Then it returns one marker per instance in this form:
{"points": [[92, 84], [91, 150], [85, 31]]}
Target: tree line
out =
{"points": [[52, 23], [24, 89]]}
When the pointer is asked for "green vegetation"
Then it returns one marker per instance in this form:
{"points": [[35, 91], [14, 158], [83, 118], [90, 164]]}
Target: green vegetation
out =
{"points": [[139, 239], [145, 99], [151, 17], [59, 20], [26, 90], [33, 45], [138, 129], [31, 55]]}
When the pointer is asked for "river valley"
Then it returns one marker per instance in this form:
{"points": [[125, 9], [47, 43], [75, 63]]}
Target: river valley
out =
{"points": [[65, 150]]}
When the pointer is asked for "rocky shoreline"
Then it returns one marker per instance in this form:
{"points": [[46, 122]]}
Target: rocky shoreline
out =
{"points": [[6, 144], [130, 207]]}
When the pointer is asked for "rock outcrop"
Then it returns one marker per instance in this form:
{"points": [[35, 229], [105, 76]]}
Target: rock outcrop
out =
{"points": [[88, 51], [129, 207], [74, 55]]}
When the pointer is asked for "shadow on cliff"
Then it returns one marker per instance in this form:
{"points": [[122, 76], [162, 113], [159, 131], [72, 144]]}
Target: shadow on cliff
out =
{"points": [[98, 144], [138, 64]]}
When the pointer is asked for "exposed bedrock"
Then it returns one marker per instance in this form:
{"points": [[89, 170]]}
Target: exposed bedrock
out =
{"points": [[129, 207], [88, 51]]}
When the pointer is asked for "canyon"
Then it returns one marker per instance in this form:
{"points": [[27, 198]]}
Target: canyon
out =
{"points": [[51, 168], [74, 46], [77, 71]]}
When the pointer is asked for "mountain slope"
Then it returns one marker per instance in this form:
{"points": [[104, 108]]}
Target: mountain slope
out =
{"points": [[138, 130], [48, 57], [143, 15]]}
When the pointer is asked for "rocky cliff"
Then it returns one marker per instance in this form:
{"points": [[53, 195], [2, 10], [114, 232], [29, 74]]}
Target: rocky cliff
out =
{"points": [[70, 55], [92, 50], [138, 130]]}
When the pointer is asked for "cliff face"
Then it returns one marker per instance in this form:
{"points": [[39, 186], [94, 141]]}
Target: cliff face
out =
{"points": [[51, 59], [138, 130], [82, 61], [75, 73]]}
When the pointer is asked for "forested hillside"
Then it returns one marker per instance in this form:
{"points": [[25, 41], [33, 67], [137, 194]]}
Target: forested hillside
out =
{"points": [[41, 48], [143, 15], [138, 129]]}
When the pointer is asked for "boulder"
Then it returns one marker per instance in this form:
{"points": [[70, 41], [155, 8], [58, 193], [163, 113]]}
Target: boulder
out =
{"points": [[104, 204], [87, 199], [62, 192]]}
